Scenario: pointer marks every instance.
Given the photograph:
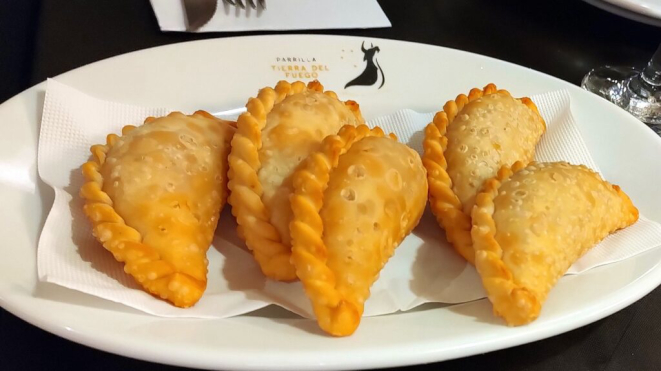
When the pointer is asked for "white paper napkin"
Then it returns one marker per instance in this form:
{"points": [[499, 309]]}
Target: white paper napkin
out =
{"points": [[279, 15], [423, 269]]}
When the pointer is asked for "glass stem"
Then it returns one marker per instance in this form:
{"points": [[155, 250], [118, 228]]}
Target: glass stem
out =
{"points": [[652, 73]]}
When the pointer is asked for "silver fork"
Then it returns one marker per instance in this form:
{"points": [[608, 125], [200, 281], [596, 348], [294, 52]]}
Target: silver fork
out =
{"points": [[251, 3]]}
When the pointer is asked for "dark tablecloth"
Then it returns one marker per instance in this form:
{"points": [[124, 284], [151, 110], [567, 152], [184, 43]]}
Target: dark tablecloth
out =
{"points": [[563, 38]]}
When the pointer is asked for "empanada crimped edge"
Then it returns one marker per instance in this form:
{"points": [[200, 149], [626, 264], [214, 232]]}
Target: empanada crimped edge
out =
{"points": [[252, 216], [335, 315], [514, 302], [445, 204], [504, 293], [141, 261]]}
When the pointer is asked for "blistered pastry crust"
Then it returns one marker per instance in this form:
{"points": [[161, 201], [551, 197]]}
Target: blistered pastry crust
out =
{"points": [[335, 272], [180, 281], [451, 212], [269, 247], [531, 224]]}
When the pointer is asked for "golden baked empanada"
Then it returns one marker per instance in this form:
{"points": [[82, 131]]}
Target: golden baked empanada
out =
{"points": [[466, 144], [529, 227], [354, 202], [154, 196], [281, 127]]}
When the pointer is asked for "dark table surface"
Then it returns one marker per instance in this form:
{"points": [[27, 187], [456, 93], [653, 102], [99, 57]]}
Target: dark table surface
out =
{"points": [[563, 38]]}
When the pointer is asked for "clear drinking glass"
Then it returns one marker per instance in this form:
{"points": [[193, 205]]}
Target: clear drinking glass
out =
{"points": [[638, 92]]}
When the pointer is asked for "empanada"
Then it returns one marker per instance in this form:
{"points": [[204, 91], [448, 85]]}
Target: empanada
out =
{"points": [[529, 227], [354, 202], [281, 127], [466, 144], [154, 196]]}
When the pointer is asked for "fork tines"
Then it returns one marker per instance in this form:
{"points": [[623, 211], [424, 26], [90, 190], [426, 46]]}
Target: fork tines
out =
{"points": [[251, 3]]}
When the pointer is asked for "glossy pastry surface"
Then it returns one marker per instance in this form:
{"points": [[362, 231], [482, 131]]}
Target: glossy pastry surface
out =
{"points": [[354, 203], [466, 144], [295, 128], [154, 196], [529, 227], [281, 127]]}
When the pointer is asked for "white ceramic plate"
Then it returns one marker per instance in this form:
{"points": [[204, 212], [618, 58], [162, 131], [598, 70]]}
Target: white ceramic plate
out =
{"points": [[645, 11], [220, 74]]}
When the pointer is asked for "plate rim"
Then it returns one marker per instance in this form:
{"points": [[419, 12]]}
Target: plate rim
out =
{"points": [[626, 9], [638, 7]]}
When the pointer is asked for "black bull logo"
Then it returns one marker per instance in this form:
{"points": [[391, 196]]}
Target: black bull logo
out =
{"points": [[370, 75]]}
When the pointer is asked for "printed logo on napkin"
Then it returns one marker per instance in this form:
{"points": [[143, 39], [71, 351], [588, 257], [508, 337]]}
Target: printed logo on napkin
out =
{"points": [[373, 74], [299, 67], [307, 67]]}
